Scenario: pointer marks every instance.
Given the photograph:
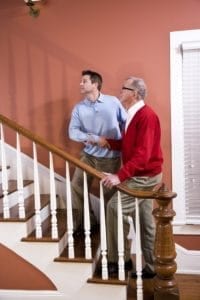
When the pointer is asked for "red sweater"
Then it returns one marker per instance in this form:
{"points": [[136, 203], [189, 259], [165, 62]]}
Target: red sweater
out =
{"points": [[140, 146]]}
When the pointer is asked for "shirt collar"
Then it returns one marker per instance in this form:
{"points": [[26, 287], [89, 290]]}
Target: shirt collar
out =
{"points": [[132, 111], [134, 108], [100, 99]]}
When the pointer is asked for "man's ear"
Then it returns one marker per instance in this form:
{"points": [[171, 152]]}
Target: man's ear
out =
{"points": [[96, 84], [135, 93]]}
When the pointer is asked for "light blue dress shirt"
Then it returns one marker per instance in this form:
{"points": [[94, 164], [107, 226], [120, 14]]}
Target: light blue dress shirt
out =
{"points": [[90, 120]]}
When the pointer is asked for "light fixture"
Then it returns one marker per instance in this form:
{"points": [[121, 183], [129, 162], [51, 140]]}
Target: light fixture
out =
{"points": [[33, 11]]}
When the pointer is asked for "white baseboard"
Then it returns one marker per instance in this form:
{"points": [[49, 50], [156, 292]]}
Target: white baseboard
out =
{"points": [[188, 261], [186, 229], [29, 294]]}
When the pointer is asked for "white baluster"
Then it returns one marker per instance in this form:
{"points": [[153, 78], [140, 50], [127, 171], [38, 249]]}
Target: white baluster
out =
{"points": [[139, 282], [6, 210], [38, 220], [54, 226], [131, 235], [103, 241], [121, 273], [88, 251], [69, 214], [20, 187]]}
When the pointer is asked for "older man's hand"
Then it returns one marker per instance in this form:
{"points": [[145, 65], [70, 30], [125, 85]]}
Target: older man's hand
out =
{"points": [[110, 180]]}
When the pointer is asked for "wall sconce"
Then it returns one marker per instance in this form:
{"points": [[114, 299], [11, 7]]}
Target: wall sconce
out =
{"points": [[33, 11]]}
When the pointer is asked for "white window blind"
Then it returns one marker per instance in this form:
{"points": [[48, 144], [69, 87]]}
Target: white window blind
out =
{"points": [[191, 122]]}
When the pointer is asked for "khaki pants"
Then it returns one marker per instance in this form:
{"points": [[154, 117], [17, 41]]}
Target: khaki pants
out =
{"points": [[108, 165], [128, 209]]}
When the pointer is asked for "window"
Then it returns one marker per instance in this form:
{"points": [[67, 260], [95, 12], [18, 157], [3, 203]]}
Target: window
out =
{"points": [[185, 124]]}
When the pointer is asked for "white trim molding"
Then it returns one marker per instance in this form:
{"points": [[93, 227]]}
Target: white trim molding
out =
{"points": [[188, 261], [177, 38]]}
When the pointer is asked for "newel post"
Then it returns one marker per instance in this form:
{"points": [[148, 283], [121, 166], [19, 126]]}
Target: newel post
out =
{"points": [[165, 285]]}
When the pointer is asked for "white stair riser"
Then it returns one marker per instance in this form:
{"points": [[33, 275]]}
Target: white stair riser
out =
{"points": [[13, 197], [9, 237], [44, 213], [11, 232]]}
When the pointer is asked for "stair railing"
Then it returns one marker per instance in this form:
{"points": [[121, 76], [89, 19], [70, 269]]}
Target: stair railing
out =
{"points": [[20, 180], [6, 211], [69, 215], [165, 283], [38, 219]]}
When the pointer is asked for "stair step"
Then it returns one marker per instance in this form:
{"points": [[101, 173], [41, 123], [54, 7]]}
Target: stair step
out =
{"points": [[46, 229], [12, 186], [79, 247], [113, 278], [29, 209], [148, 289]]}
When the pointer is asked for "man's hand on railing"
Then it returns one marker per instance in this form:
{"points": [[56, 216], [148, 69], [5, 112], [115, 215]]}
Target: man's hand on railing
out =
{"points": [[110, 180]]}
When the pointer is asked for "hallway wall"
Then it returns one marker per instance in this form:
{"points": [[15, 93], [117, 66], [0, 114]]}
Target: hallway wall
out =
{"points": [[16, 273]]}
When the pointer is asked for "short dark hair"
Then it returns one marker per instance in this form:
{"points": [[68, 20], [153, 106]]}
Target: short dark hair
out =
{"points": [[95, 77]]}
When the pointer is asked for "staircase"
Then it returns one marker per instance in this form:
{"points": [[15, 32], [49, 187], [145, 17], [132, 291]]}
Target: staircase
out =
{"points": [[67, 280], [38, 228]]}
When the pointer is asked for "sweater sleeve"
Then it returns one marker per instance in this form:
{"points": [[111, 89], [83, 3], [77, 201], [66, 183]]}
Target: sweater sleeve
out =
{"points": [[115, 144]]}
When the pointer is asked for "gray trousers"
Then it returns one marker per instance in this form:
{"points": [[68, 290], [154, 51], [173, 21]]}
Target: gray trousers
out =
{"points": [[108, 165], [128, 209]]}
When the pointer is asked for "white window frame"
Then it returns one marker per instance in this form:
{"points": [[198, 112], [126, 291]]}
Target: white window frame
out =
{"points": [[177, 138]]}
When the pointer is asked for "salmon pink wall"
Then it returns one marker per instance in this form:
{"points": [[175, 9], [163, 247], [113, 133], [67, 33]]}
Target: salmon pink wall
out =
{"points": [[16, 273], [41, 58]]}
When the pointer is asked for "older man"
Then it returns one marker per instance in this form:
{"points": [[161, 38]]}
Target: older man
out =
{"points": [[141, 169]]}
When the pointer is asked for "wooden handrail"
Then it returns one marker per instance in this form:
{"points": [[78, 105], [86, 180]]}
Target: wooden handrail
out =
{"points": [[165, 286], [150, 194]]}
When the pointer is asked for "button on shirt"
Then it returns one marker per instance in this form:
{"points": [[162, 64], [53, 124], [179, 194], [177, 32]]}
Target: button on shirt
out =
{"points": [[90, 120]]}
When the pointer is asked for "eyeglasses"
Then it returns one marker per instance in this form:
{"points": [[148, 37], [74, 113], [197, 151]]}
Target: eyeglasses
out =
{"points": [[127, 88]]}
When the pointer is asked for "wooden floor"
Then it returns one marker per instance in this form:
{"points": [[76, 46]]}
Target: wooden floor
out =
{"points": [[189, 288]]}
